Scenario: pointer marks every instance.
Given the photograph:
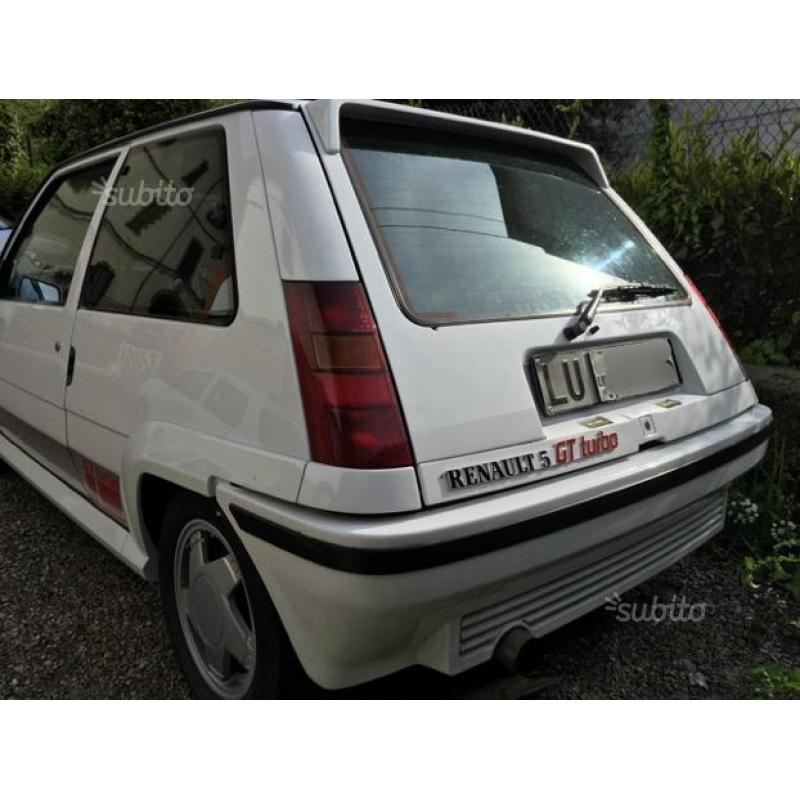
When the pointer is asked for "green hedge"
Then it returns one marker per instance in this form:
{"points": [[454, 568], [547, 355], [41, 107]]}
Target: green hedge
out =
{"points": [[732, 220], [10, 135], [18, 182]]}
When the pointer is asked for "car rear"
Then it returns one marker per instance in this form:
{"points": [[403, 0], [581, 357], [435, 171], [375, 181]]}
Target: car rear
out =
{"points": [[516, 403], [490, 248]]}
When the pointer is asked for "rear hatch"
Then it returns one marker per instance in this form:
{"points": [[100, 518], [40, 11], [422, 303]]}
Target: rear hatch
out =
{"points": [[478, 254]]}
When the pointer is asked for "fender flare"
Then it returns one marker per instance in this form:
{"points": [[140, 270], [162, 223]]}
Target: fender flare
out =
{"points": [[195, 462]]}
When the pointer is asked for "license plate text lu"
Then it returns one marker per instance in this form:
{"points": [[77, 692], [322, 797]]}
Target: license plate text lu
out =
{"points": [[574, 379]]}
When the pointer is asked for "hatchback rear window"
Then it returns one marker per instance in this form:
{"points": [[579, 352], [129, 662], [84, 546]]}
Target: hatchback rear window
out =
{"points": [[474, 230]]}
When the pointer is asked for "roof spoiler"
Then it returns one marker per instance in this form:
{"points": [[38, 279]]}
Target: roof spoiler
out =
{"points": [[325, 115]]}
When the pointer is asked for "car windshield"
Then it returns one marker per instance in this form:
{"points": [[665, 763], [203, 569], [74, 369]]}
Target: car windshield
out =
{"points": [[474, 230]]}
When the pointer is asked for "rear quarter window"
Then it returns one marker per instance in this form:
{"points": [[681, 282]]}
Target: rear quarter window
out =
{"points": [[165, 246], [471, 230]]}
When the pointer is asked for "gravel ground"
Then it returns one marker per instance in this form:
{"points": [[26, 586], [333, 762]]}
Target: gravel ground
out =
{"points": [[76, 623]]}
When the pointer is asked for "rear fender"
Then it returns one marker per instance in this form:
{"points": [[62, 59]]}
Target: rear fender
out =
{"points": [[196, 462]]}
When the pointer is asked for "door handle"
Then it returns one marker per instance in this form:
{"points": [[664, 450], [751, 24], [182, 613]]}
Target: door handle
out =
{"points": [[57, 346], [70, 365]]}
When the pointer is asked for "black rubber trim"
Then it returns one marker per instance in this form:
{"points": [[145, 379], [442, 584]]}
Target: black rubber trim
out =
{"points": [[393, 561]]}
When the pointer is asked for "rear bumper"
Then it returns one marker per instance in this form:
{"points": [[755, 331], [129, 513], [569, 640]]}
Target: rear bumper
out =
{"points": [[365, 596]]}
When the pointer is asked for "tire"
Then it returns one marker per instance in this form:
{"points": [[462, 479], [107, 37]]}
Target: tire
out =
{"points": [[228, 638]]}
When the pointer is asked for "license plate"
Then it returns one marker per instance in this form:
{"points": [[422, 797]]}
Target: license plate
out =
{"points": [[573, 379]]}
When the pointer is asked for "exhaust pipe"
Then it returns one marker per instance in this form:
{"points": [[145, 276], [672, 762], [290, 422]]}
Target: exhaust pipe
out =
{"points": [[517, 651]]}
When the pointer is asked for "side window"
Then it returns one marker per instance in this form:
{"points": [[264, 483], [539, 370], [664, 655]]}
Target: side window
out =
{"points": [[164, 248], [39, 267]]}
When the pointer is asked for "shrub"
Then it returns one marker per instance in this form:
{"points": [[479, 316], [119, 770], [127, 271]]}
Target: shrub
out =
{"points": [[10, 135], [68, 127], [776, 681], [18, 183], [761, 517], [57, 129], [730, 218]]}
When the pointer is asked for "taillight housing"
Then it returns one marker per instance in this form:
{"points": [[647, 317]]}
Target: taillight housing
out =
{"points": [[351, 407], [699, 295]]}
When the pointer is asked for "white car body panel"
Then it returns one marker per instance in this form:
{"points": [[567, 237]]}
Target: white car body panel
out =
{"points": [[636, 423], [309, 239], [377, 491]]}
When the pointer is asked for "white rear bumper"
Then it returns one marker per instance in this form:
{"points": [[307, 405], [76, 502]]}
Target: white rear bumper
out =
{"points": [[365, 596]]}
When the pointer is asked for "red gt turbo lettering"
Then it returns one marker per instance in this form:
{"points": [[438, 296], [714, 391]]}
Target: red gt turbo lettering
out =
{"points": [[582, 447], [564, 451]]}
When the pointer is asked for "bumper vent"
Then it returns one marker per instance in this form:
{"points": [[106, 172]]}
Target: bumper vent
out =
{"points": [[648, 550]]}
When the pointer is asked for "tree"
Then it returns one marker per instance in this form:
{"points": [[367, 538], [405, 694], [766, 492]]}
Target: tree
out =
{"points": [[11, 138], [68, 127]]}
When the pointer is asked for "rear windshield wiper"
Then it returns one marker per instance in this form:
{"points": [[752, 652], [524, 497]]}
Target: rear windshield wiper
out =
{"points": [[624, 293]]}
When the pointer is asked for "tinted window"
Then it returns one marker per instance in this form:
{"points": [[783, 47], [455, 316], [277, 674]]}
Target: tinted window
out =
{"points": [[164, 247], [39, 268], [473, 230], [5, 235]]}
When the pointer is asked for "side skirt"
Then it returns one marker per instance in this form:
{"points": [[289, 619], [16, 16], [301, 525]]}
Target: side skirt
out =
{"points": [[97, 524]]}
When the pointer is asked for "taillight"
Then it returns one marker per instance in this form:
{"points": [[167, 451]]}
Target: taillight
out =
{"points": [[699, 295], [351, 407]]}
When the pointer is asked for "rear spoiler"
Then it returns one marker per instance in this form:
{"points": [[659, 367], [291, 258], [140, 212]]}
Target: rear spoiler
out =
{"points": [[325, 117]]}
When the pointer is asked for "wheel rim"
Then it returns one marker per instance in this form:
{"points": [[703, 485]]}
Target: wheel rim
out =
{"points": [[214, 609]]}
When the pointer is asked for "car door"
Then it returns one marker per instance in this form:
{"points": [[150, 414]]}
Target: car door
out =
{"points": [[39, 280], [155, 303]]}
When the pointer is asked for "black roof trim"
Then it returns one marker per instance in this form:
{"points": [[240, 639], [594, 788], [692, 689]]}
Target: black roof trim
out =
{"points": [[231, 108]]}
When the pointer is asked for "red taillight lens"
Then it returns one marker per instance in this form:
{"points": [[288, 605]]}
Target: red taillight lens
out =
{"points": [[699, 295], [351, 407]]}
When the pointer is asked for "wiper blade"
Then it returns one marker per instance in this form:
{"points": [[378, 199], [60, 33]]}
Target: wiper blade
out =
{"points": [[625, 293], [630, 291]]}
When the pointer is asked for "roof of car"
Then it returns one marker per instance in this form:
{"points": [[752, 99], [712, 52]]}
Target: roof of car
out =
{"points": [[216, 111], [326, 115]]}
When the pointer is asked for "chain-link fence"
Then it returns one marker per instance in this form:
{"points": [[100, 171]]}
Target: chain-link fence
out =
{"points": [[619, 128]]}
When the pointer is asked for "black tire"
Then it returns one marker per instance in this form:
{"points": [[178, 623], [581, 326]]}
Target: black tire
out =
{"points": [[277, 672]]}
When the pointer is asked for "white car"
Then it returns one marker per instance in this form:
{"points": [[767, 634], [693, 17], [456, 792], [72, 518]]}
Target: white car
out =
{"points": [[364, 386]]}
